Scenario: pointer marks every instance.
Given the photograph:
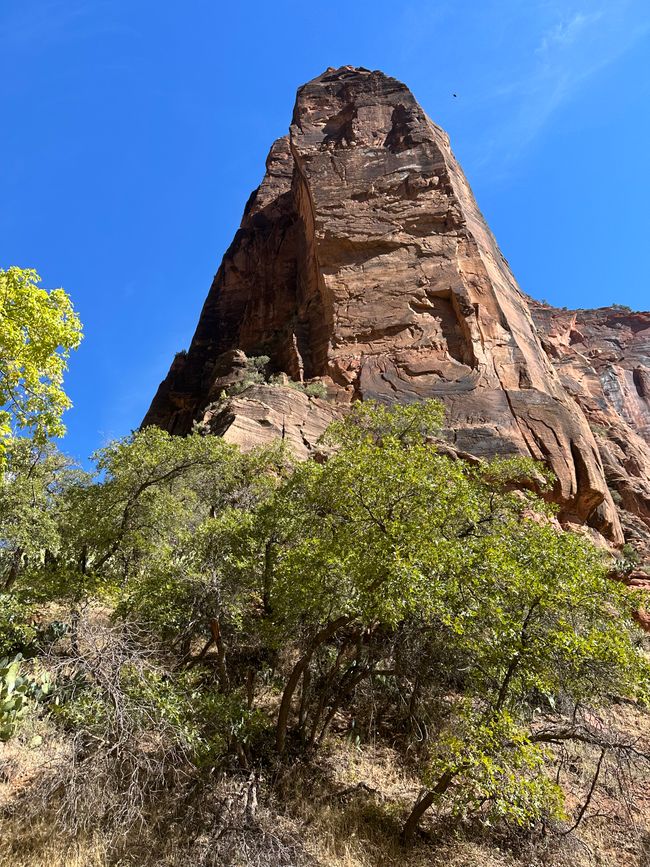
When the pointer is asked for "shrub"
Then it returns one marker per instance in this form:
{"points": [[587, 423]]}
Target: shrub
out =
{"points": [[16, 630], [316, 389], [254, 374], [616, 497], [393, 590]]}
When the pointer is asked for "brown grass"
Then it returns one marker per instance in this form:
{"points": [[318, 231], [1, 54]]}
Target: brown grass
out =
{"points": [[343, 809]]}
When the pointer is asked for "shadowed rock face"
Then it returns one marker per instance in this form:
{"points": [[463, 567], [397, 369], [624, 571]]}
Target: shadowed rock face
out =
{"points": [[363, 261]]}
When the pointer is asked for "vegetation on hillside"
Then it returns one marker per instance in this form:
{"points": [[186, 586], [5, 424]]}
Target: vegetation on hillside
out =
{"points": [[188, 620]]}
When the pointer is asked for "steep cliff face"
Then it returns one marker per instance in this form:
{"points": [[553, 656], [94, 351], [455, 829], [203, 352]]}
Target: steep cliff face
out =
{"points": [[363, 261], [603, 360]]}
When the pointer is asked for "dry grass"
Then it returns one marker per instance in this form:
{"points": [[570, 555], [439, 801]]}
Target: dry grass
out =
{"points": [[344, 809], [615, 830], [351, 804], [42, 848]]}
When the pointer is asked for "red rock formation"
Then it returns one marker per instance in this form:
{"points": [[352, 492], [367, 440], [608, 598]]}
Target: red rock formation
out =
{"points": [[264, 413], [603, 359], [363, 261]]}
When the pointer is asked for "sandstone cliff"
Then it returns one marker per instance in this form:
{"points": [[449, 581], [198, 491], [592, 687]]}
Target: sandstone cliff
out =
{"points": [[603, 359], [363, 262]]}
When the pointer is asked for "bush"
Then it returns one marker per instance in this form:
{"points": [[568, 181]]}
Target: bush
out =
{"points": [[628, 559], [254, 374], [393, 592], [316, 389], [16, 630], [616, 497]]}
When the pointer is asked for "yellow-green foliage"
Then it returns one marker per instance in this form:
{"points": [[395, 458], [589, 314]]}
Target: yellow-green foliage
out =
{"points": [[38, 329], [17, 690]]}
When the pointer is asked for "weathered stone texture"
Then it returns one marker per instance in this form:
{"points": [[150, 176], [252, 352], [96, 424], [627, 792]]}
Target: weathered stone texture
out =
{"points": [[603, 359], [363, 260], [266, 413]]}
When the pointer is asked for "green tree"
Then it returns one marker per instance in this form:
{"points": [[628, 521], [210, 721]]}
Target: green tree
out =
{"points": [[367, 541], [38, 329], [30, 498], [31, 495], [150, 533], [388, 534], [540, 632]]}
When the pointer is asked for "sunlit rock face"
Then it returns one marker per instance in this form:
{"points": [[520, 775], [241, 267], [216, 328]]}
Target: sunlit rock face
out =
{"points": [[603, 359], [363, 262]]}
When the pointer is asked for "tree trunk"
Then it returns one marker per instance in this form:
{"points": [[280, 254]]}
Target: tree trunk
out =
{"points": [[321, 636], [421, 806], [338, 701], [215, 631], [250, 687], [318, 713], [304, 698], [266, 580], [14, 569], [516, 659]]}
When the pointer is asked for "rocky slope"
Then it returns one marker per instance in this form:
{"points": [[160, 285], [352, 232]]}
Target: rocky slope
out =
{"points": [[363, 262]]}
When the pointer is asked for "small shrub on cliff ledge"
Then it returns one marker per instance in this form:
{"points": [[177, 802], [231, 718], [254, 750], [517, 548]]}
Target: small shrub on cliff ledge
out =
{"points": [[256, 372], [315, 389]]}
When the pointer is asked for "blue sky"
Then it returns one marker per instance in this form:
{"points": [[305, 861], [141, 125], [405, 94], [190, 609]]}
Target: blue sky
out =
{"points": [[133, 132]]}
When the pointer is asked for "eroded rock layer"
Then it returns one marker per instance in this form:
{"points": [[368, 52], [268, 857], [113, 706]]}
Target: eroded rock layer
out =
{"points": [[362, 261], [603, 360]]}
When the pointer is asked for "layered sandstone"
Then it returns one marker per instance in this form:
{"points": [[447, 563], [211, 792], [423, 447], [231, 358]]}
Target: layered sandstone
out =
{"points": [[603, 360], [363, 262]]}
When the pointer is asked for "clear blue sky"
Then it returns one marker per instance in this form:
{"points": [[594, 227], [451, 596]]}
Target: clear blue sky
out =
{"points": [[133, 132]]}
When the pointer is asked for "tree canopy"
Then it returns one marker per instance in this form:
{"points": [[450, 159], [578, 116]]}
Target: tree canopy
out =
{"points": [[228, 607], [38, 330]]}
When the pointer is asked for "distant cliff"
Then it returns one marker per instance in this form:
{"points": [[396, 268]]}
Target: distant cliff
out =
{"points": [[363, 262]]}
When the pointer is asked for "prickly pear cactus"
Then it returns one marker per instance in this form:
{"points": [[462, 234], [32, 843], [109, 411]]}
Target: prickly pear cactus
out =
{"points": [[16, 692]]}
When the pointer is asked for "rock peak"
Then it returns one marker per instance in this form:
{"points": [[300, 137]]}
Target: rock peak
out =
{"points": [[363, 261], [341, 72]]}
